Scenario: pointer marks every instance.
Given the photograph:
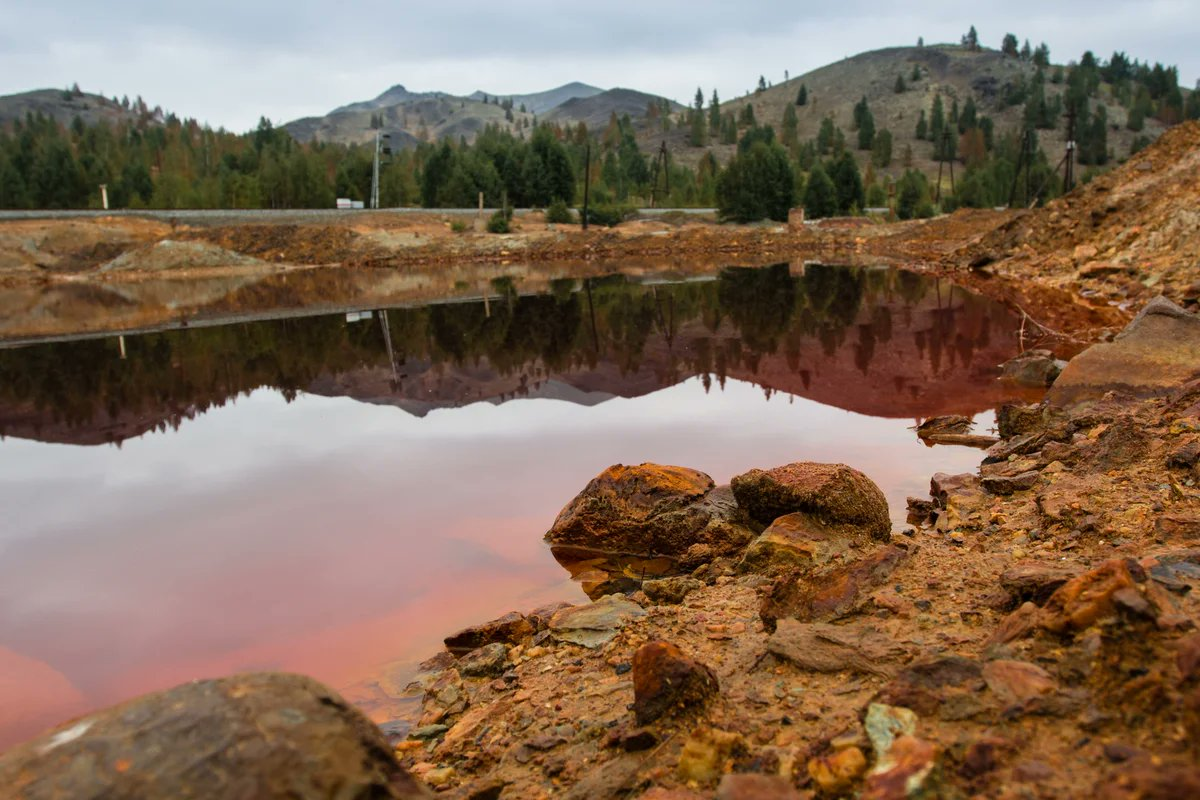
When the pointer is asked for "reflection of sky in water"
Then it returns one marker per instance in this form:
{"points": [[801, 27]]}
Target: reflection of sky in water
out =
{"points": [[329, 536]]}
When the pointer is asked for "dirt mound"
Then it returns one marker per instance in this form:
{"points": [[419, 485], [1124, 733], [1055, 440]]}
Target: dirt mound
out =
{"points": [[170, 254], [1129, 234]]}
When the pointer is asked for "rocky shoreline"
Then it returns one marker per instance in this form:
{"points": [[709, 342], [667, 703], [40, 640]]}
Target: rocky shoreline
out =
{"points": [[1031, 634]]}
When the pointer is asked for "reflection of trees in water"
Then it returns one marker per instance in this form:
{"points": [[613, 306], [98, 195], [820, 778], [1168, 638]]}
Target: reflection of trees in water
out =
{"points": [[745, 314]]}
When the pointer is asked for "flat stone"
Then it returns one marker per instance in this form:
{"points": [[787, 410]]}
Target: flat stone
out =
{"points": [[594, 624], [666, 680], [834, 493], [1156, 353], [1006, 485], [835, 648], [512, 628], [249, 736], [927, 686], [1016, 683]]}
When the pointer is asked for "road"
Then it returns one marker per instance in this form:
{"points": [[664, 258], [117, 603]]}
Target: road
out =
{"points": [[284, 216]]}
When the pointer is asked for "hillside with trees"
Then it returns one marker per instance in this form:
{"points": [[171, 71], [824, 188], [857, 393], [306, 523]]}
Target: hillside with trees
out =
{"points": [[917, 129]]}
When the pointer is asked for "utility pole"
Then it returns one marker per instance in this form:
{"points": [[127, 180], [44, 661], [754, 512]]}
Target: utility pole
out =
{"points": [[104, 196], [381, 148]]}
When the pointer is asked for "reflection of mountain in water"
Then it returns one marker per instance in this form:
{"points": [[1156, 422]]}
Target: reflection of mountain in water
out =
{"points": [[878, 342]]}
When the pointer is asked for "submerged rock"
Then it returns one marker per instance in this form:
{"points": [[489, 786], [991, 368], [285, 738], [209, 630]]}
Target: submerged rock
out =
{"points": [[1158, 352], [664, 679], [246, 737], [651, 510], [834, 493]]}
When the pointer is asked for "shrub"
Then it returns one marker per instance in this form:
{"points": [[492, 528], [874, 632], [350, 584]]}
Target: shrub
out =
{"points": [[458, 226], [610, 215], [559, 214], [500, 222]]}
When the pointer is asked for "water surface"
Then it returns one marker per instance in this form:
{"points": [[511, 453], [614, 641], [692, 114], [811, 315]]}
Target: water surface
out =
{"points": [[332, 495]]}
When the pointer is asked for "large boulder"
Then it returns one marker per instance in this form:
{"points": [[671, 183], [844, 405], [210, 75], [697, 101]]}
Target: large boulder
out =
{"points": [[1158, 352], [833, 493], [651, 510], [246, 737]]}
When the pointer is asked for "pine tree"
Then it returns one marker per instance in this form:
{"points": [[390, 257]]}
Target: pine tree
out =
{"points": [[866, 130], [825, 136], [971, 39], [922, 126], [847, 184], [1009, 46], [937, 121], [916, 73], [820, 197], [762, 85], [788, 128], [714, 113], [881, 149], [802, 96], [899, 87], [698, 136], [1041, 56]]}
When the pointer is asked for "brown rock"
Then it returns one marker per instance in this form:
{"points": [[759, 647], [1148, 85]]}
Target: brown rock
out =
{"points": [[631, 740], [924, 687], [1036, 368], [1006, 484], [834, 648], [834, 493], [1156, 353], [796, 540], [512, 628], [1014, 420], [836, 772], [1036, 581], [647, 510], [909, 770], [1187, 657], [757, 787], [671, 590], [1086, 599], [484, 662], [1016, 625], [662, 793], [983, 756], [246, 737], [705, 753], [829, 595], [951, 423], [610, 780], [664, 680], [1016, 683], [1147, 779]]}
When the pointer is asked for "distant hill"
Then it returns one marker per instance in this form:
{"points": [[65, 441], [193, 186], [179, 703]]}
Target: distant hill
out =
{"points": [[595, 111], [541, 102], [412, 117], [393, 96], [952, 71], [64, 105]]}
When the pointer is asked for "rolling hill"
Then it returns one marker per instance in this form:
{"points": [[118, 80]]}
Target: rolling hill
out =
{"points": [[64, 105], [952, 71]]}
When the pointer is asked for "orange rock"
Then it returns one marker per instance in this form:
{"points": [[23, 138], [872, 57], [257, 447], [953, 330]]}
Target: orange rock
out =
{"points": [[836, 772], [1083, 601]]}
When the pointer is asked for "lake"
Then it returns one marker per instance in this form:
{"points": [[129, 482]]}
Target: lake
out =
{"points": [[333, 494]]}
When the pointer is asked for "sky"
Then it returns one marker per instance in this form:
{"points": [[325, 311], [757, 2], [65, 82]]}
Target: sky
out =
{"points": [[228, 63]]}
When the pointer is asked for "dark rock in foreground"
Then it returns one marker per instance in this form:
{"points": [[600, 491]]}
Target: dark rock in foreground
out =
{"points": [[834, 493], [247, 737], [664, 679]]}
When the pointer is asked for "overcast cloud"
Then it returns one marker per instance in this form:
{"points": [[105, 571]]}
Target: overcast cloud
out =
{"points": [[228, 62]]}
